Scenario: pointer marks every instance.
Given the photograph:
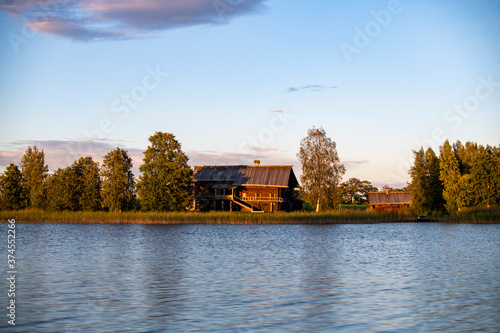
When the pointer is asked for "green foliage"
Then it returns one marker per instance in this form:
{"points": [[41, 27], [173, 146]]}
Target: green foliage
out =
{"points": [[355, 190], [450, 176], [118, 185], [426, 186], [321, 169], [34, 173], [470, 174], [12, 193], [77, 187], [87, 172], [164, 183], [60, 190]]}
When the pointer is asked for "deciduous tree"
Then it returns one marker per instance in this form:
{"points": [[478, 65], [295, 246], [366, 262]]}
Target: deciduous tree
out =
{"points": [[164, 183], [321, 168], [77, 187], [118, 191], [88, 175], [355, 190]]}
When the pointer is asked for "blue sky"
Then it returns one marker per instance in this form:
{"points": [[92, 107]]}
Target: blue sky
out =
{"points": [[240, 80]]}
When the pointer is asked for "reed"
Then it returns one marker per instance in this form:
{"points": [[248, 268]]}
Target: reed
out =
{"points": [[328, 217], [474, 215]]}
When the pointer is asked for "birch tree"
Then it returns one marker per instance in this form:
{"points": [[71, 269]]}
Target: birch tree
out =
{"points": [[321, 169]]}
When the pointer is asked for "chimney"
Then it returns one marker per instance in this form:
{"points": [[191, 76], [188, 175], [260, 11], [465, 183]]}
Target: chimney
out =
{"points": [[256, 162]]}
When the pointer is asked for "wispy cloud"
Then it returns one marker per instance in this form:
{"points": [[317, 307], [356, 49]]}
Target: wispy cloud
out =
{"points": [[354, 161], [220, 158], [62, 153], [94, 20], [311, 87], [223, 158]]}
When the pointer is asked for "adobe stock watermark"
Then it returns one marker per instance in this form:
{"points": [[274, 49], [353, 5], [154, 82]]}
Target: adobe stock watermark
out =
{"points": [[454, 117], [266, 135], [120, 109], [223, 6], [372, 29], [470, 104], [39, 18]]}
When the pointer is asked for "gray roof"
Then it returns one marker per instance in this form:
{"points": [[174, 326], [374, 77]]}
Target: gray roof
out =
{"points": [[388, 198], [257, 175]]}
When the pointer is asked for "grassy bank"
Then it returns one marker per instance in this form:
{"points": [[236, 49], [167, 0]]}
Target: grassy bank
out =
{"points": [[332, 217], [473, 215], [343, 216]]}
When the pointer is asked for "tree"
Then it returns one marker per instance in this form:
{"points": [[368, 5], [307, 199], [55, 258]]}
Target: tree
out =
{"points": [[12, 193], [470, 174], [450, 176], [164, 183], [426, 186], [351, 189], [366, 187], [87, 172], [484, 174], [34, 173], [59, 191], [118, 183], [355, 190], [77, 187], [321, 168]]}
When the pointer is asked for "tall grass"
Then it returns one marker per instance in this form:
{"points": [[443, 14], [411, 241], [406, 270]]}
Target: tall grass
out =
{"points": [[474, 215], [329, 217]]}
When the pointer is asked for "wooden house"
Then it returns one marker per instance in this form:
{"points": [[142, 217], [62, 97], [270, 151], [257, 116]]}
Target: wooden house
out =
{"points": [[382, 201], [255, 188]]}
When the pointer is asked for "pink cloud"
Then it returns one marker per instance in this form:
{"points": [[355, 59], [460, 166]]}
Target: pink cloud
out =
{"points": [[91, 20]]}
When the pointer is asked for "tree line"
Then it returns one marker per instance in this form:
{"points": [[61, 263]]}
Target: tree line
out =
{"points": [[461, 176], [87, 186]]}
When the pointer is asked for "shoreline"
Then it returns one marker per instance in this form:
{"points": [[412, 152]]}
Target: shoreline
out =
{"points": [[480, 216]]}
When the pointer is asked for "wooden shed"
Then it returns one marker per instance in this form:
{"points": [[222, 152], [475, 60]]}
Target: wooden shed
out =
{"points": [[382, 201], [256, 188]]}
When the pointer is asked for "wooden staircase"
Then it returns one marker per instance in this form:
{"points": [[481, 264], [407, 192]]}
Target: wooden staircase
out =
{"points": [[244, 204]]}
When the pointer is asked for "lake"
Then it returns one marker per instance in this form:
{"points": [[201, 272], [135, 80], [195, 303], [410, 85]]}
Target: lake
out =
{"points": [[394, 277]]}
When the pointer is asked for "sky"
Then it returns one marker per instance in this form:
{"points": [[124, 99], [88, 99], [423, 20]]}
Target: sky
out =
{"points": [[238, 80]]}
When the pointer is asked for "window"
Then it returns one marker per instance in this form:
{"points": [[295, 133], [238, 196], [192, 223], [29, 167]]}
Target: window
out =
{"points": [[272, 195]]}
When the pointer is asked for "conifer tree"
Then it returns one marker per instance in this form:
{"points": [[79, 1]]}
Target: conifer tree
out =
{"points": [[12, 193], [426, 186], [450, 176], [34, 173]]}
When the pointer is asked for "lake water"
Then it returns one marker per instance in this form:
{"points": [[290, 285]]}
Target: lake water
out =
{"points": [[400, 277]]}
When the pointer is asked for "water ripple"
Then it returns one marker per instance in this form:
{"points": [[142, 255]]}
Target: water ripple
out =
{"points": [[227, 278]]}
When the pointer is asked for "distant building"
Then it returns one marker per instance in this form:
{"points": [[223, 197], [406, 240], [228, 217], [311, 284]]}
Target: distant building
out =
{"points": [[257, 188], [382, 201]]}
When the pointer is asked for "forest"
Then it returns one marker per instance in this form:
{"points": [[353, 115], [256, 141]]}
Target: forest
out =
{"points": [[462, 176]]}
